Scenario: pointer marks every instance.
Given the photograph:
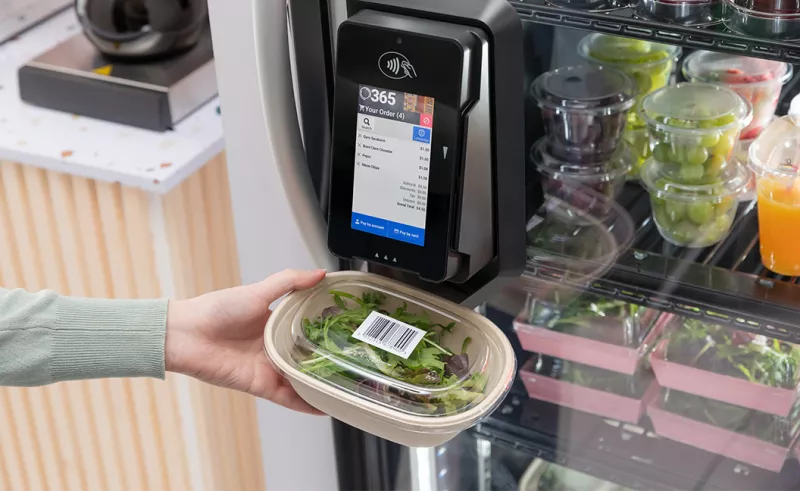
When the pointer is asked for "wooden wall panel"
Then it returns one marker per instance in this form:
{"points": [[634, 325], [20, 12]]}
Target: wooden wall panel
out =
{"points": [[87, 238]]}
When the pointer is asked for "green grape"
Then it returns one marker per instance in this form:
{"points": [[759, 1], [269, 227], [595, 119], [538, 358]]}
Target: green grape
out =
{"points": [[700, 212], [724, 146], [690, 173], [676, 155], [696, 155], [725, 205], [714, 165], [661, 152], [675, 210], [710, 139], [725, 120], [685, 233], [661, 217]]}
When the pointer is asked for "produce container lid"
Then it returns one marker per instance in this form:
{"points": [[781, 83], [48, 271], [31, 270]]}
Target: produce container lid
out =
{"points": [[578, 233], [616, 50], [776, 151], [733, 182], [585, 88], [415, 357], [600, 171], [734, 70], [696, 108]]}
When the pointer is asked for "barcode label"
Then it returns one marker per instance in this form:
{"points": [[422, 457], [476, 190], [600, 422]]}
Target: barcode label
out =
{"points": [[389, 334]]}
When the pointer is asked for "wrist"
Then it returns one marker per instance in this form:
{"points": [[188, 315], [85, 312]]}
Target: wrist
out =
{"points": [[175, 335]]}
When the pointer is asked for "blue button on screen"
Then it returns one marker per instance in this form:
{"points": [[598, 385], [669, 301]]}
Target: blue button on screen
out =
{"points": [[422, 135], [388, 229]]}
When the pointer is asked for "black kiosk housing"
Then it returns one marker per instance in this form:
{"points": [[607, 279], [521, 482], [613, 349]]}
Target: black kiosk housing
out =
{"points": [[427, 163]]}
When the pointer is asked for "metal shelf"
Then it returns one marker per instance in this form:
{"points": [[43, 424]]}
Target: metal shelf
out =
{"points": [[630, 455], [625, 23], [726, 283]]}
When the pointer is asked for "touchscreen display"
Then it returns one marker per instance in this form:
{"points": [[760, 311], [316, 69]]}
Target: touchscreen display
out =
{"points": [[392, 161]]}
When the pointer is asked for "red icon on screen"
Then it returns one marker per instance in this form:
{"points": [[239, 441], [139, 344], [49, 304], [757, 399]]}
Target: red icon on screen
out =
{"points": [[426, 120]]}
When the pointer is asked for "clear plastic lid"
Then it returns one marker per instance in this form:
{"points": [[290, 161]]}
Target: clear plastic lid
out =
{"points": [[584, 88], [603, 48], [776, 151], [734, 182], [695, 108], [714, 67], [388, 346], [578, 233], [582, 172]]}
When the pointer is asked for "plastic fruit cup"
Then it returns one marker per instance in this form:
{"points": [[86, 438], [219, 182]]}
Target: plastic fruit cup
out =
{"points": [[694, 215], [638, 141], [443, 386], [694, 129], [606, 177], [651, 65], [778, 24], [584, 109], [759, 81], [778, 187], [685, 12]]}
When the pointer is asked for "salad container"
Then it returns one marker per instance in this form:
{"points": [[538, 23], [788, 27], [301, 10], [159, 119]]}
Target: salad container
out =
{"points": [[587, 328], [694, 129], [584, 109], [759, 439], [685, 12], [576, 235], [724, 364], [589, 389], [694, 215], [389, 359], [748, 17], [651, 65], [759, 81], [606, 177], [775, 158], [542, 475]]}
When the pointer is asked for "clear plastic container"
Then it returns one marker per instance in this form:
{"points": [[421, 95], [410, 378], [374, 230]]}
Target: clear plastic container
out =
{"points": [[584, 109], [546, 476], [745, 17], [591, 5], [694, 129], [775, 158], [585, 328], [759, 81], [690, 215], [684, 12], [577, 234], [723, 363], [606, 177], [651, 65], [388, 359], [755, 438]]}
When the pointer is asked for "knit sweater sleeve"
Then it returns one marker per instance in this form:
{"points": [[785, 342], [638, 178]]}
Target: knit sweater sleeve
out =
{"points": [[47, 338]]}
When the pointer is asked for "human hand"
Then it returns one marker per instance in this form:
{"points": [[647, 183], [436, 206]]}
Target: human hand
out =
{"points": [[219, 337]]}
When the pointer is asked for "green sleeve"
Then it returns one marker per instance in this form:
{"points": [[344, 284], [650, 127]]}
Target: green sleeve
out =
{"points": [[47, 338]]}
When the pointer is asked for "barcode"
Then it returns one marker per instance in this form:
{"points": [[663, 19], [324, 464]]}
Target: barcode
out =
{"points": [[389, 334]]}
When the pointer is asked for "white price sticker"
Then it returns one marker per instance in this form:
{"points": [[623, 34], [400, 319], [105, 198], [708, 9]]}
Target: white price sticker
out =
{"points": [[389, 334]]}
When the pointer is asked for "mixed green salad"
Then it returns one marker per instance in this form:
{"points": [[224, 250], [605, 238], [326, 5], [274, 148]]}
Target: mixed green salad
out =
{"points": [[432, 380], [633, 386], [735, 353], [767, 427], [591, 316]]}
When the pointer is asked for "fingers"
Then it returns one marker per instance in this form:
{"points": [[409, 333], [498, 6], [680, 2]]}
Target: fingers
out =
{"points": [[288, 398], [279, 284]]}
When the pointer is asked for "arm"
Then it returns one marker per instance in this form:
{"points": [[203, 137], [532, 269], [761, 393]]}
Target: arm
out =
{"points": [[47, 338]]}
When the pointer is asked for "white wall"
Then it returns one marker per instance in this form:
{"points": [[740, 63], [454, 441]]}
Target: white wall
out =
{"points": [[277, 222]]}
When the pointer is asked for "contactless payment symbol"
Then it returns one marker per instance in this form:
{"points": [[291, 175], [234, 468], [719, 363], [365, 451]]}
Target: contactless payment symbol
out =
{"points": [[396, 66]]}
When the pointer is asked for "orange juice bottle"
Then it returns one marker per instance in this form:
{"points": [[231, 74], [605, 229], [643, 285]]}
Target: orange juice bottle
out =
{"points": [[775, 158]]}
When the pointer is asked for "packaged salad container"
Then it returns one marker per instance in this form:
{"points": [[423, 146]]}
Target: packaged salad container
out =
{"points": [[605, 176], [389, 359], [728, 365], [584, 109], [762, 19], [546, 476], [684, 12], [759, 81], [589, 389], [586, 328], [694, 215], [755, 438], [694, 129]]}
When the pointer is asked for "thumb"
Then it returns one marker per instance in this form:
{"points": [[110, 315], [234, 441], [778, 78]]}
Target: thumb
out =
{"points": [[287, 281]]}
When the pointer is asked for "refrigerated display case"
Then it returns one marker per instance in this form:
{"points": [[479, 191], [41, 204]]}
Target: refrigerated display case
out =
{"points": [[286, 99]]}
